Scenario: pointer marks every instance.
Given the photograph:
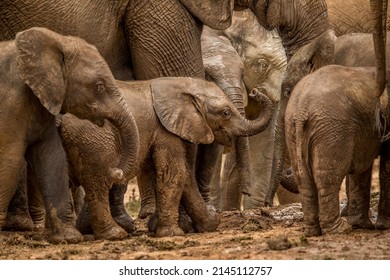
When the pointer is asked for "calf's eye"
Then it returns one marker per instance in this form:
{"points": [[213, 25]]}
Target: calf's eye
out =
{"points": [[99, 87]]}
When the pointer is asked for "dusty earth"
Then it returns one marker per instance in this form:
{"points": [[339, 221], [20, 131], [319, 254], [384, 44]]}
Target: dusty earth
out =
{"points": [[265, 233]]}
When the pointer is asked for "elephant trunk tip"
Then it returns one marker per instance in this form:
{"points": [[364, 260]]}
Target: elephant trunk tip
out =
{"points": [[116, 175]]}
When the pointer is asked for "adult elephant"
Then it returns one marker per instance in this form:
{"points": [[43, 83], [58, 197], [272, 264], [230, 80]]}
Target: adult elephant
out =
{"points": [[141, 39], [350, 16]]}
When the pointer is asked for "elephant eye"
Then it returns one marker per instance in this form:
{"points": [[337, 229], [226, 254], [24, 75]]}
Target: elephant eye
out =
{"points": [[226, 114], [99, 87], [263, 65]]}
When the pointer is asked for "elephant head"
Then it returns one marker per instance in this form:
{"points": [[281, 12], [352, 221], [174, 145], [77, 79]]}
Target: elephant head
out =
{"points": [[69, 75], [200, 112], [298, 22]]}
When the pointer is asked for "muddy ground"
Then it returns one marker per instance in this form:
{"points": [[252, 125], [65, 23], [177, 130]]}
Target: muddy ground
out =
{"points": [[265, 233]]}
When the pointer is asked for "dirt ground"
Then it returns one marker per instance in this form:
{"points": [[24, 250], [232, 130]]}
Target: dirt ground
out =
{"points": [[265, 233]]}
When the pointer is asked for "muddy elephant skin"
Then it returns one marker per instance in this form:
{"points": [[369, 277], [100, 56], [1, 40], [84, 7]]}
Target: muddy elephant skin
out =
{"points": [[195, 112], [42, 74]]}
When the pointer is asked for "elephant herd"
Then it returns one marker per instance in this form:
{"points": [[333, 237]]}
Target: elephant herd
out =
{"points": [[203, 104]]}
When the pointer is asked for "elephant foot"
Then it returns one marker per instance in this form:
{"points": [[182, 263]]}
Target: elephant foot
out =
{"points": [[112, 232], [185, 222], [382, 223], [211, 223], [163, 231], [340, 226], [312, 231], [126, 222], [83, 222], [18, 222], [65, 233], [358, 222], [146, 211]]}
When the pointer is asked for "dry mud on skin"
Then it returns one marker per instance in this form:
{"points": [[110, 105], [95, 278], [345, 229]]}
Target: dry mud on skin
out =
{"points": [[266, 233]]}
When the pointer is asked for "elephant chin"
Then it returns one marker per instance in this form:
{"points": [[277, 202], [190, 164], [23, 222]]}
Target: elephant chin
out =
{"points": [[222, 138]]}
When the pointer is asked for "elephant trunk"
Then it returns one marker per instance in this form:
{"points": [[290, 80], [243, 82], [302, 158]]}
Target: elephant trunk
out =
{"points": [[379, 14], [241, 145], [253, 127], [123, 120], [279, 149]]}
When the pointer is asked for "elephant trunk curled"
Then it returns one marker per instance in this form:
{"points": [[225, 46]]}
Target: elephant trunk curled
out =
{"points": [[253, 127], [124, 121]]}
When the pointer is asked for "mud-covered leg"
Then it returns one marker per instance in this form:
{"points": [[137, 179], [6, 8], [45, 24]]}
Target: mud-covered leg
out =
{"points": [[18, 217], [170, 166], [383, 220], [97, 198], [36, 205], [328, 184], [50, 171], [117, 207], [359, 200], [206, 161], [147, 184]]}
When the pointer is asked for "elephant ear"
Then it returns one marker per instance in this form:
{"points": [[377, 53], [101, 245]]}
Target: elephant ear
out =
{"points": [[179, 105], [40, 63], [215, 13]]}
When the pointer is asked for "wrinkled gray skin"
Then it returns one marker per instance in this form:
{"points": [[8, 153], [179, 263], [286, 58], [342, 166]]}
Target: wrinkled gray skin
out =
{"points": [[243, 57], [336, 126], [43, 73], [350, 16], [195, 111], [140, 39]]}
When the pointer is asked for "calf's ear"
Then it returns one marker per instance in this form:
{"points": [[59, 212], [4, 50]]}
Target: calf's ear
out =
{"points": [[179, 107], [40, 63]]}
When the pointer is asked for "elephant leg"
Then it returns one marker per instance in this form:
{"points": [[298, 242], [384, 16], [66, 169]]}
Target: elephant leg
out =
{"points": [[206, 161], [169, 188], [204, 216], [147, 184], [11, 166], [49, 169], [117, 207], [328, 176], [307, 190], [36, 205], [18, 217], [97, 198], [383, 219], [215, 186], [359, 200], [231, 195]]}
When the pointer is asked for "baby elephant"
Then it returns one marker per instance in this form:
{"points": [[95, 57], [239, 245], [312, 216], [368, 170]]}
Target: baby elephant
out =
{"points": [[170, 113], [331, 132], [43, 73]]}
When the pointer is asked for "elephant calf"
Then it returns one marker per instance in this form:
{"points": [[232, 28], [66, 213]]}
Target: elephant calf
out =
{"points": [[43, 73], [171, 113]]}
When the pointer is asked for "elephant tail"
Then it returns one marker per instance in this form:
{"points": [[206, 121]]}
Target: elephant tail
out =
{"points": [[302, 160]]}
